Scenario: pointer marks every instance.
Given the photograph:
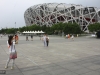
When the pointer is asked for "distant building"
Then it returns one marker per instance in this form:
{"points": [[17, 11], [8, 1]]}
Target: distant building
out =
{"points": [[51, 13]]}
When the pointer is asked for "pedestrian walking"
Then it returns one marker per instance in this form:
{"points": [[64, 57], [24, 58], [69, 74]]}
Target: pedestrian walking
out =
{"points": [[31, 37], [68, 36], [44, 40], [72, 37], [12, 52], [40, 36], [1, 35], [47, 40], [77, 35], [27, 38]]}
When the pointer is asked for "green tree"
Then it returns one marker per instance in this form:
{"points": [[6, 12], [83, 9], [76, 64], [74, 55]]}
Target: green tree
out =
{"points": [[71, 28], [94, 27]]}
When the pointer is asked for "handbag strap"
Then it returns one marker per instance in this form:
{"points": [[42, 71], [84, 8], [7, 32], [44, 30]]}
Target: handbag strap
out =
{"points": [[11, 47], [14, 48]]}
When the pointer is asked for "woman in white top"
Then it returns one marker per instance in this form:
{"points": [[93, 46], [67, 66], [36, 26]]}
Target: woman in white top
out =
{"points": [[11, 47], [72, 37], [44, 40]]}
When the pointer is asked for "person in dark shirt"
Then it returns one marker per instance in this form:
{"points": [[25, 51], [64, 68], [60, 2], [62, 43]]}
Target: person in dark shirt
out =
{"points": [[31, 37]]}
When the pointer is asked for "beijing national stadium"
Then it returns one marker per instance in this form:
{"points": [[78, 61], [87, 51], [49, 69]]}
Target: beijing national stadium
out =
{"points": [[52, 13]]}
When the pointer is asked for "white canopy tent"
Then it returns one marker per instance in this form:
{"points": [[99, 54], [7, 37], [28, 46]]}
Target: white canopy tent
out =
{"points": [[33, 32]]}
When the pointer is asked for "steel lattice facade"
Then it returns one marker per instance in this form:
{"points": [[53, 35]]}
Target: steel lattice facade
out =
{"points": [[51, 13]]}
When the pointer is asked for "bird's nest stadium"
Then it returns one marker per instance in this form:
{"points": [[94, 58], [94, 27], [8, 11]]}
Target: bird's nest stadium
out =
{"points": [[52, 13]]}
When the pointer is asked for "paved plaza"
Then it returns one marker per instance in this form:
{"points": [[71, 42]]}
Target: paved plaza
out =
{"points": [[62, 57]]}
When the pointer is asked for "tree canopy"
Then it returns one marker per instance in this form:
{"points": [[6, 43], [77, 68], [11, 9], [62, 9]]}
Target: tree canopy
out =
{"points": [[67, 28], [94, 27]]}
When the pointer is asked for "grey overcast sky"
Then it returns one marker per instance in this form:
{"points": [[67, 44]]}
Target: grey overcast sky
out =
{"points": [[12, 11]]}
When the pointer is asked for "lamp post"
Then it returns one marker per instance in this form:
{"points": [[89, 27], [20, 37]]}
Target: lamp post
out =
{"points": [[15, 27]]}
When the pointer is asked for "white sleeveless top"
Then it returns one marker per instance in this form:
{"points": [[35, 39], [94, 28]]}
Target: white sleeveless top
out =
{"points": [[44, 38], [9, 47]]}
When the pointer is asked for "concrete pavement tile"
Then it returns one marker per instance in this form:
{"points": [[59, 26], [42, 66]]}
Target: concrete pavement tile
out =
{"points": [[94, 67], [9, 71], [81, 62], [98, 70], [69, 73], [97, 62], [58, 71], [53, 68], [82, 71], [44, 73], [92, 60], [73, 67], [65, 64], [20, 65], [92, 73], [30, 68], [2, 67], [43, 63], [48, 65], [16, 74], [87, 64], [33, 72]]}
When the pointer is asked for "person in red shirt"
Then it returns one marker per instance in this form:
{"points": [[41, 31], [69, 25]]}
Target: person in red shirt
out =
{"points": [[68, 36], [16, 39]]}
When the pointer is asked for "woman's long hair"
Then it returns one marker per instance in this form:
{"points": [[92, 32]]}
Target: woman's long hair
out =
{"points": [[10, 40]]}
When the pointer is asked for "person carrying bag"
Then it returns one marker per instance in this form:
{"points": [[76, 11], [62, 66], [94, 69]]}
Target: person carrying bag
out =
{"points": [[12, 52], [13, 55]]}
